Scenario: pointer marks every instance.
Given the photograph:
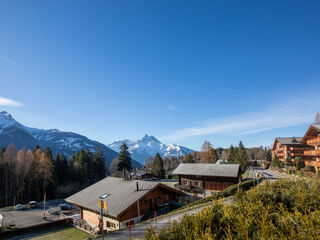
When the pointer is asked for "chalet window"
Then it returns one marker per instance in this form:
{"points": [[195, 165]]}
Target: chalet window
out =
{"points": [[197, 183], [131, 223], [111, 225], [185, 182]]}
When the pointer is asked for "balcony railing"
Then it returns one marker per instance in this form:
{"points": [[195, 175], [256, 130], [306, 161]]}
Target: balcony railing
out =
{"points": [[312, 153], [297, 154], [314, 141], [183, 187], [313, 163]]}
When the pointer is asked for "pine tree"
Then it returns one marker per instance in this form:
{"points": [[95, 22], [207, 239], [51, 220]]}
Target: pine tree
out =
{"points": [[232, 154], [268, 155], [61, 170], [157, 167], [189, 159], [124, 164], [241, 156], [99, 164]]}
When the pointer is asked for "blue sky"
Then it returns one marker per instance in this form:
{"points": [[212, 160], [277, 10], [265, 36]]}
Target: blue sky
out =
{"points": [[183, 71]]}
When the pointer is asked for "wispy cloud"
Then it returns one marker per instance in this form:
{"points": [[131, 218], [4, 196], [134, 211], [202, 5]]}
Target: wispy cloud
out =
{"points": [[293, 112], [171, 107], [8, 60], [9, 102]]}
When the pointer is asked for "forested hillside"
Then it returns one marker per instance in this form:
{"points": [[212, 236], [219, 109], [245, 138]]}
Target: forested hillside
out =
{"points": [[27, 174]]}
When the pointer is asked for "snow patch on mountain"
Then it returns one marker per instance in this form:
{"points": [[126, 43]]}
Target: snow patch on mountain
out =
{"points": [[67, 143], [6, 120], [148, 146]]}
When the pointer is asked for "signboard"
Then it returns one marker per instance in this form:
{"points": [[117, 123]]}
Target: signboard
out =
{"points": [[103, 204]]}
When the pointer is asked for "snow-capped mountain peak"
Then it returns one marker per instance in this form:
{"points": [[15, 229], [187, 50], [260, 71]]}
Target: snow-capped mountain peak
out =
{"points": [[6, 120], [67, 143], [148, 146], [148, 139]]}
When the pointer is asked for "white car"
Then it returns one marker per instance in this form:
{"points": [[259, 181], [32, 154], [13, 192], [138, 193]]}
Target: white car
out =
{"points": [[18, 207]]}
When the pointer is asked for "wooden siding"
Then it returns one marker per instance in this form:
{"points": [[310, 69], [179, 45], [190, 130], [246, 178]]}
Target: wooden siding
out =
{"points": [[90, 217], [206, 182], [312, 137], [283, 151], [149, 202]]}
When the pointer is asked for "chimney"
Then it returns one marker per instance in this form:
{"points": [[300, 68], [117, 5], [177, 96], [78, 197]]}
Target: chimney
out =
{"points": [[137, 186]]}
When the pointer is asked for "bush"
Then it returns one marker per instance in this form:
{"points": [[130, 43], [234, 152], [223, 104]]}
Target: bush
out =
{"points": [[276, 163], [282, 210]]}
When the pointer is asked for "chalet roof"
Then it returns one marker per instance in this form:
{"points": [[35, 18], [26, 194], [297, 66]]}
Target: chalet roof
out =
{"points": [[289, 140], [139, 174], [123, 193], [206, 169], [221, 161], [316, 126], [312, 130]]}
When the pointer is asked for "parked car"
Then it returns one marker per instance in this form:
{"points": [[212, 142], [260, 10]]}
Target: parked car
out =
{"points": [[64, 207], [18, 207], [32, 204], [54, 211]]}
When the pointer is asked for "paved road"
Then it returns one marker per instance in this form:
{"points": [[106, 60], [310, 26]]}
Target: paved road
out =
{"points": [[138, 231], [268, 174]]}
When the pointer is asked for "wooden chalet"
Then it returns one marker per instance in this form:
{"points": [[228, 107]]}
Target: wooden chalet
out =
{"points": [[200, 178], [141, 175], [312, 137], [289, 148], [128, 201]]}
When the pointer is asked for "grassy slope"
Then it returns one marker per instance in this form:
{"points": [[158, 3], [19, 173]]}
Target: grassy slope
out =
{"points": [[68, 233]]}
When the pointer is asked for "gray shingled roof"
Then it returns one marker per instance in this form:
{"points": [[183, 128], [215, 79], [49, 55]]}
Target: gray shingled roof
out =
{"points": [[289, 140], [316, 125], [122, 194], [204, 169]]}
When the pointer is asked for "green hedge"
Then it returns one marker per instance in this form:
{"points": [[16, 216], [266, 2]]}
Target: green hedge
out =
{"points": [[285, 209]]}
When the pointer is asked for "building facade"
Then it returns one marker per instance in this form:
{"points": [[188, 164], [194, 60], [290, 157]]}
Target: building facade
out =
{"points": [[287, 148], [128, 201], [312, 137], [202, 179]]}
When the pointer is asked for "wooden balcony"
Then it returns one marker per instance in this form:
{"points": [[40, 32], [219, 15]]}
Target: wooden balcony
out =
{"points": [[314, 141], [312, 163], [312, 153], [300, 148], [297, 154]]}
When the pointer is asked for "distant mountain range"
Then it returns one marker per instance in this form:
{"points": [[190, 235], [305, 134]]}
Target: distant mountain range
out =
{"points": [[148, 146], [67, 143]]}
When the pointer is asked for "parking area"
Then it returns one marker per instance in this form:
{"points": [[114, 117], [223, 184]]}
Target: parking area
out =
{"points": [[30, 217], [272, 175]]}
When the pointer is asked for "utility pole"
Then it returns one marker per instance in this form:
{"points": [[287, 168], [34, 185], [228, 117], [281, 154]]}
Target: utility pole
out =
{"points": [[138, 203], [103, 205], [44, 206], [101, 221]]}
